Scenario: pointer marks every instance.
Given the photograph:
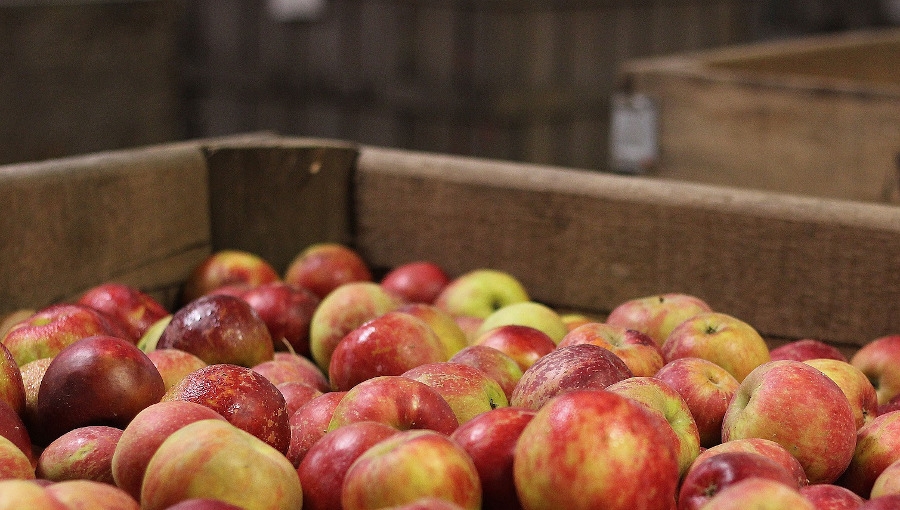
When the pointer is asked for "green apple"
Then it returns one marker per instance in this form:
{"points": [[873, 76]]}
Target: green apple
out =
{"points": [[527, 313], [481, 292]]}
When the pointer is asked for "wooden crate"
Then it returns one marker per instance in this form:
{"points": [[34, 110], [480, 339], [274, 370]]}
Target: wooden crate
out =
{"points": [[792, 266], [816, 116]]}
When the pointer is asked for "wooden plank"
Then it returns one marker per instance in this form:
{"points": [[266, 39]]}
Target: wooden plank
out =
{"points": [[791, 266]]}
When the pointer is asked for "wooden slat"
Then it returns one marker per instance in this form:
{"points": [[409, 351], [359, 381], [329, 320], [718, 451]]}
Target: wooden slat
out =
{"points": [[790, 266]]}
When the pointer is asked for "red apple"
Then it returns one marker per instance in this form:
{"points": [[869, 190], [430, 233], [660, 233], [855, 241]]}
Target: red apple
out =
{"points": [[855, 385], [13, 462], [758, 492], [891, 405], [880, 361], [713, 474], [490, 440], [657, 315], [12, 388], [521, 343], [888, 482], [427, 503], [130, 306], [310, 422], [877, 446], [639, 352], [296, 394], [243, 397], [174, 364], [219, 329], [889, 502], [145, 433], [761, 446], [443, 324], [227, 267], [287, 367], [287, 311], [828, 496], [203, 504], [588, 449], [495, 363], [19, 494], [806, 349], [578, 366], [800, 408], [13, 428], [410, 465], [99, 380], [707, 390], [323, 468], [323, 267], [416, 282], [480, 292], [92, 495], [84, 453], [468, 390]]}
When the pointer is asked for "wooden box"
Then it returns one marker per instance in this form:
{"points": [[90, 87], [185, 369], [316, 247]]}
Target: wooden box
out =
{"points": [[815, 116], [792, 266]]}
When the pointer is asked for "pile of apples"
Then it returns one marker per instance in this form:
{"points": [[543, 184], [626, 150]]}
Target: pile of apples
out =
{"points": [[324, 388]]}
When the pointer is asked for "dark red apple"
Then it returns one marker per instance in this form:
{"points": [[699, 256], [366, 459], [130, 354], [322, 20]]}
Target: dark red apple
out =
{"points": [[416, 282], [133, 308], [806, 349], [84, 453], [709, 477], [323, 267], [287, 311], [310, 423]]}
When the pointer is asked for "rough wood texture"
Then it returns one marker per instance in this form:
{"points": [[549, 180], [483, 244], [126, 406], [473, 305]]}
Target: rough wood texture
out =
{"points": [[791, 266], [818, 116]]}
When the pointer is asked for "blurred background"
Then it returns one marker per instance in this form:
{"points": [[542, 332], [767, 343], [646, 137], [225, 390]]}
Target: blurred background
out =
{"points": [[513, 79]]}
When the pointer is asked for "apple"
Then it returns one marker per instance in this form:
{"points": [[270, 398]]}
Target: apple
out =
{"points": [[310, 422], [877, 447], [13, 428], [800, 408], [427, 503], [203, 504], [639, 352], [389, 344], [713, 474], [416, 282], [469, 325], [14, 463], [527, 313], [828, 496], [99, 380], [891, 405], [490, 440], [761, 446], [579, 366], [522, 343], [91, 495], [32, 373], [880, 361], [219, 329], [12, 388], [588, 449], [286, 367], [150, 338], [657, 315], [707, 390], [398, 401], [227, 267], [889, 502], [888, 482], [287, 311], [130, 306], [84, 453], [759, 493], [480, 292], [495, 363], [443, 324], [806, 349], [214, 459], [243, 397], [19, 494], [409, 465], [468, 390], [725, 340], [53, 328], [174, 364], [143, 435], [323, 468], [855, 385], [323, 267], [10, 319], [296, 394], [343, 310]]}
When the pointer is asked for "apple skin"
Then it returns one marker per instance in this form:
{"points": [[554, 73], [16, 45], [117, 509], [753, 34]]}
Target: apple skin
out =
{"points": [[759, 493], [891, 405], [19, 494], [14, 463], [287, 311], [32, 373], [800, 408], [343, 310], [214, 459], [855, 385], [99, 380], [227, 267], [725, 340], [877, 447], [889, 502], [527, 313], [469, 325], [174, 364], [203, 504], [443, 324], [13, 428], [389, 344], [490, 440], [480, 292], [323, 468], [91, 495], [398, 401], [522, 343], [12, 388], [219, 329], [707, 390], [657, 315], [53, 328], [416, 282], [410, 465], [296, 394], [130, 306], [761, 446], [589, 449], [243, 397], [428, 503], [579, 366], [468, 390], [286, 367], [493, 362], [143, 435], [309, 423], [323, 267], [84, 453], [639, 352], [663, 401], [806, 349], [880, 361], [714, 474], [828, 496]]}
